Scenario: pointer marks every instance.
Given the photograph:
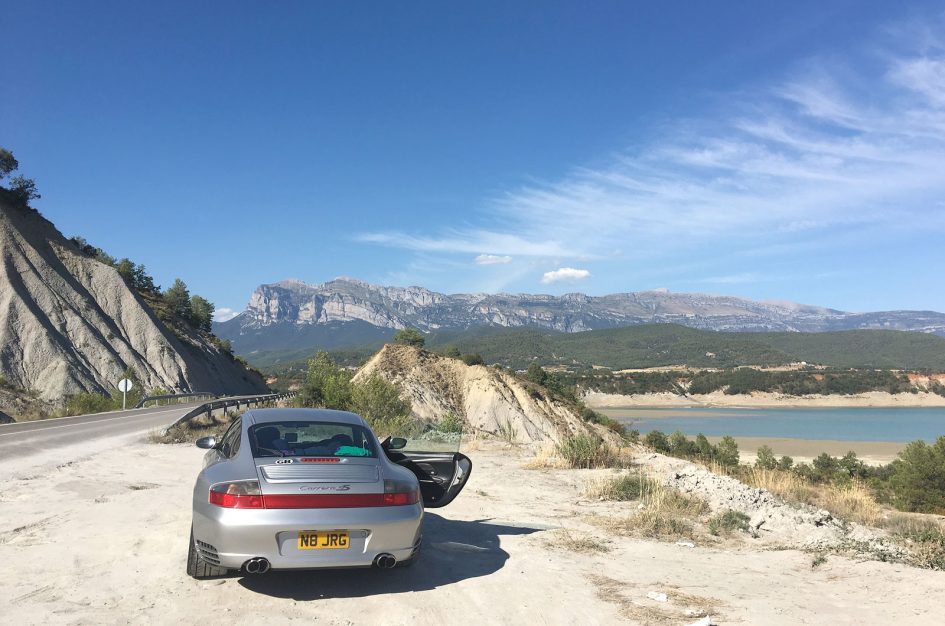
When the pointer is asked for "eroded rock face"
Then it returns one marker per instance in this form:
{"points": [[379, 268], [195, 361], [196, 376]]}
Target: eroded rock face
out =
{"points": [[489, 400], [69, 324]]}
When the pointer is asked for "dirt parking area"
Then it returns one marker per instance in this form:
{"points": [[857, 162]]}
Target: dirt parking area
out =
{"points": [[102, 539]]}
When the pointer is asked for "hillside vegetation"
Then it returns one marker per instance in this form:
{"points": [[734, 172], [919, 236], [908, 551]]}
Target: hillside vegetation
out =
{"points": [[655, 345]]}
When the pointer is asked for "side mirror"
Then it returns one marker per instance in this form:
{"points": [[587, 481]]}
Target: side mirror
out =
{"points": [[207, 443], [397, 443]]}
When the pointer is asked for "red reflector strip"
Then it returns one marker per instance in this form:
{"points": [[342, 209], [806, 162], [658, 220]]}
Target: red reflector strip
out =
{"points": [[326, 459], [339, 500], [313, 501]]}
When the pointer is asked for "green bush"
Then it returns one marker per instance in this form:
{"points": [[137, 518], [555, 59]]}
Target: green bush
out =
{"points": [[450, 423], [85, 403], [726, 452], [657, 440], [765, 459], [587, 451], [680, 446], [410, 337], [728, 521], [918, 479], [472, 359]]}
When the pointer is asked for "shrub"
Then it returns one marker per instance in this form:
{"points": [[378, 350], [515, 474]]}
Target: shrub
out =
{"points": [[84, 403], [728, 521], [918, 480], [536, 374], [631, 486], [380, 403], [473, 359], [410, 337], [587, 451], [680, 446], [656, 440], [704, 449], [765, 459], [450, 423], [726, 452]]}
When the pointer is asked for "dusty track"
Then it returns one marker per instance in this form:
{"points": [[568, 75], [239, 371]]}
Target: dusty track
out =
{"points": [[103, 539]]}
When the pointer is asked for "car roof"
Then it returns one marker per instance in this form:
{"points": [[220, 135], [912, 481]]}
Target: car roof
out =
{"points": [[262, 416]]}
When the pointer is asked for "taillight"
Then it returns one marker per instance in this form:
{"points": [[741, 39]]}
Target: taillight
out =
{"points": [[400, 492], [244, 494]]}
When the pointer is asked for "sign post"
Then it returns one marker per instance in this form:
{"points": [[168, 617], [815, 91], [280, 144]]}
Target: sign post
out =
{"points": [[124, 386]]}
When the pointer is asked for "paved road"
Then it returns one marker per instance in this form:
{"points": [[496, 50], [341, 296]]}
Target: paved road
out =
{"points": [[25, 438]]}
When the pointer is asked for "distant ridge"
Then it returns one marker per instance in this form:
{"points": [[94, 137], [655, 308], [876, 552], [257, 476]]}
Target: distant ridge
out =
{"points": [[292, 314]]}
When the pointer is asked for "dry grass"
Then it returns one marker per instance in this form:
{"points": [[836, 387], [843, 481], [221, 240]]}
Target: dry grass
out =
{"points": [[581, 452], [621, 488], [189, 432], [664, 512], [852, 501], [631, 601], [563, 539], [546, 458], [923, 535]]}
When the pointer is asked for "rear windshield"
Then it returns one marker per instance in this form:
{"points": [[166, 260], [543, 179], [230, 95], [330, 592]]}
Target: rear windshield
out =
{"points": [[310, 439]]}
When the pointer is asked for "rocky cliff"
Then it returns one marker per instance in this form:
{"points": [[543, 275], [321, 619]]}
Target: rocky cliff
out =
{"points": [[70, 324], [290, 313], [488, 400]]}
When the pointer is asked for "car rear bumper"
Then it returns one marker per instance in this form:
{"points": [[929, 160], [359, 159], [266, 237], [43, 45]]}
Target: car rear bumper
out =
{"points": [[230, 537]]}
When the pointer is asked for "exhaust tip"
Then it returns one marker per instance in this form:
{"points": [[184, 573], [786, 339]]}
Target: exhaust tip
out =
{"points": [[258, 565], [385, 561]]}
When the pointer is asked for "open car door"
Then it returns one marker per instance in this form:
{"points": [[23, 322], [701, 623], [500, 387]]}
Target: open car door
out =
{"points": [[442, 474]]}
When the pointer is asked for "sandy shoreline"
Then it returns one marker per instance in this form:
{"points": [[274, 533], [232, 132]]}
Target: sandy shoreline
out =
{"points": [[804, 450], [877, 399]]}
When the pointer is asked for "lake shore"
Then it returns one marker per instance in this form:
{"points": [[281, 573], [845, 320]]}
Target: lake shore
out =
{"points": [[763, 399], [806, 450], [802, 450]]}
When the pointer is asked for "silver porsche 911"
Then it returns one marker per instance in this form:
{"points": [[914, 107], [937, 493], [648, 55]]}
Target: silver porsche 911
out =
{"points": [[313, 488]]}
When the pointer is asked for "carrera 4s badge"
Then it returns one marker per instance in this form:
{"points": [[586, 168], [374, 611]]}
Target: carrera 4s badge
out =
{"points": [[325, 488]]}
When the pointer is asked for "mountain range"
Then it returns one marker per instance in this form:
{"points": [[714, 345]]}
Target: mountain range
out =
{"points": [[345, 312]]}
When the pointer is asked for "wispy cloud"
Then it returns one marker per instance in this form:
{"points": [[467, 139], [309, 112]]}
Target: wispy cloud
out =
{"points": [[564, 274], [833, 147], [492, 259], [733, 279], [224, 314]]}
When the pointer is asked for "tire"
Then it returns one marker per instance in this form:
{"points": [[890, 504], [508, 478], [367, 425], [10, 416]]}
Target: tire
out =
{"points": [[197, 567]]}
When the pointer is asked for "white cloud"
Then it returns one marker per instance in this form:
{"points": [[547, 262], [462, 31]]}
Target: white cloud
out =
{"points": [[224, 314], [492, 259], [564, 274], [734, 279], [830, 151]]}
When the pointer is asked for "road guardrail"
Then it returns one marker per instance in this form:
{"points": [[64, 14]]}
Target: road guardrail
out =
{"points": [[196, 395], [209, 407]]}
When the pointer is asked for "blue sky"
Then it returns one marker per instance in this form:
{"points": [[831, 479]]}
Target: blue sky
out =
{"points": [[762, 149]]}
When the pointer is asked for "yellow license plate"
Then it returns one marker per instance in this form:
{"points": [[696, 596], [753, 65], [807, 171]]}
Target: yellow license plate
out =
{"points": [[323, 540]]}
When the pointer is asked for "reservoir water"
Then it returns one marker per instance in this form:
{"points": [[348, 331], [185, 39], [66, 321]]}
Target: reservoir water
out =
{"points": [[845, 424]]}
